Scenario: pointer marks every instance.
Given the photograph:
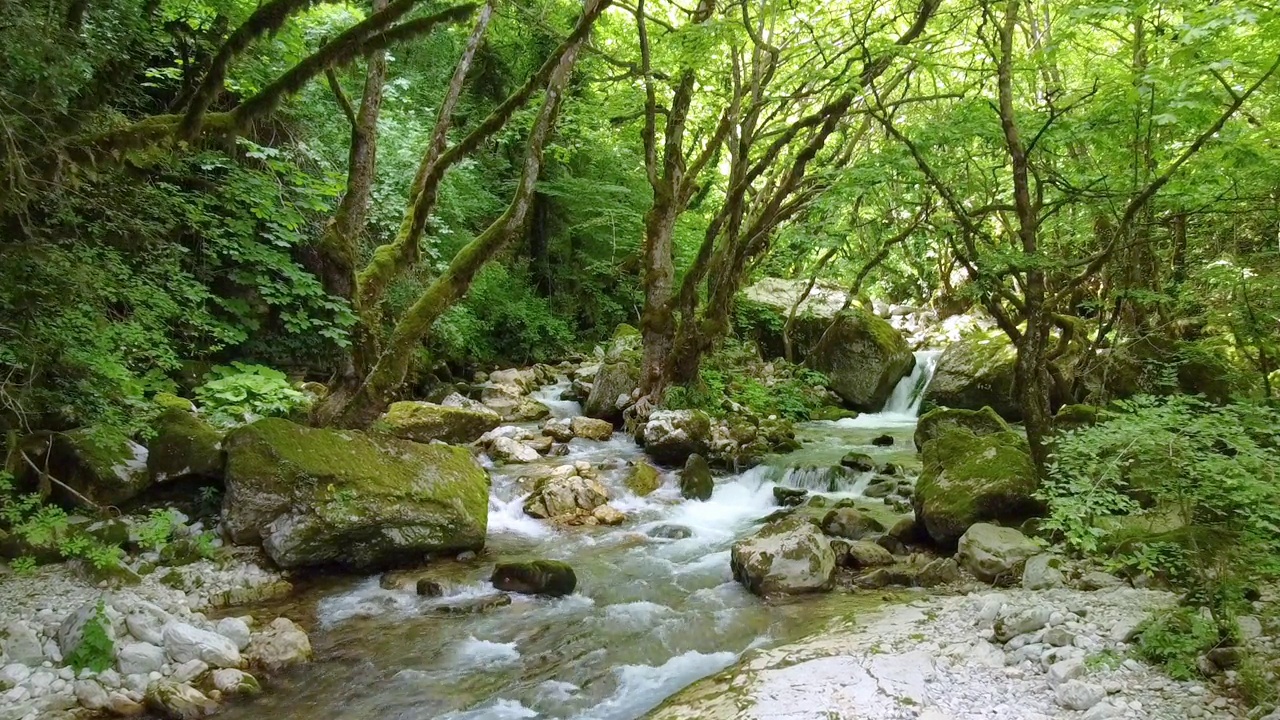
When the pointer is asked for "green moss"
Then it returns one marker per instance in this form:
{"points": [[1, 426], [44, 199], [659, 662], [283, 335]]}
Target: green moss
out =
{"points": [[1073, 417], [424, 422], [938, 421], [864, 357], [184, 446], [643, 479], [969, 479], [170, 401]]}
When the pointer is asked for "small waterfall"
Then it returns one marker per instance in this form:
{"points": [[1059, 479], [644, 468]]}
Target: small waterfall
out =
{"points": [[903, 406], [820, 478], [909, 392], [550, 396]]}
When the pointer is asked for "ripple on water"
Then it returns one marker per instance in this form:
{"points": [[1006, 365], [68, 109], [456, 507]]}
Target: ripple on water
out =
{"points": [[497, 710], [476, 653], [643, 687]]}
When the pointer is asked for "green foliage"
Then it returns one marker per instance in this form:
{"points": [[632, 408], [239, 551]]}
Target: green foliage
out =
{"points": [[96, 651], [241, 393], [735, 378], [24, 566], [1175, 487], [1256, 683], [44, 526], [501, 321], [157, 531], [1175, 639]]}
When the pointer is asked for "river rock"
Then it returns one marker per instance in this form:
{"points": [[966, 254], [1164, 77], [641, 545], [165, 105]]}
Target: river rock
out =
{"points": [[670, 532], [1079, 696], [642, 478], [502, 399], [696, 482], [850, 523], [510, 450], [146, 621], [786, 557], [184, 642], [969, 479], [591, 428], [423, 422], [280, 645], [562, 497], [934, 423], [231, 682], [99, 464], [939, 571], [183, 446], [860, 462], [91, 695], [1042, 573], [671, 436], [994, 553], [177, 701], [866, 554], [235, 630], [322, 497], [976, 372], [72, 631], [863, 357], [539, 577], [469, 605], [611, 391], [140, 658], [21, 644], [789, 497], [559, 429]]}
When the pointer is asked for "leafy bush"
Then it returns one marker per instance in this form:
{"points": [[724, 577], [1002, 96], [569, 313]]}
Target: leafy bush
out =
{"points": [[242, 392], [733, 377], [502, 320], [44, 526], [96, 651], [156, 532], [1175, 639], [1178, 487]]}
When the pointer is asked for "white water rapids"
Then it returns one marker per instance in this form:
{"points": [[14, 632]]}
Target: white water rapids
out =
{"points": [[651, 615]]}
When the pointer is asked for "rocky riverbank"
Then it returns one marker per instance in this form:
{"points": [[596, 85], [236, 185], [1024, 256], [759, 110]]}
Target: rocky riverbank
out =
{"points": [[71, 648], [1012, 654]]}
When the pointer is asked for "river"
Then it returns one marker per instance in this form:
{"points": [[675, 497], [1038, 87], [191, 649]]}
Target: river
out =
{"points": [[650, 616]]}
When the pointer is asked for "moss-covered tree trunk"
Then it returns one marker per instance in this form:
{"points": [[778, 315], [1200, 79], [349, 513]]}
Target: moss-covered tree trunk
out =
{"points": [[388, 374]]}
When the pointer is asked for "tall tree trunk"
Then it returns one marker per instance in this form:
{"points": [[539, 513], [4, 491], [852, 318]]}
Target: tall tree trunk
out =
{"points": [[388, 374]]}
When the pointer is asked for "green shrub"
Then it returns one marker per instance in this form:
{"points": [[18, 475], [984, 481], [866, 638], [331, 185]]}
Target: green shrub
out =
{"points": [[1256, 683], [241, 392], [1175, 639], [1176, 487], [44, 526], [96, 651], [733, 376]]}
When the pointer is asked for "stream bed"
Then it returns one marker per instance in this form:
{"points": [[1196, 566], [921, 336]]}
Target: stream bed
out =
{"points": [[650, 615]]}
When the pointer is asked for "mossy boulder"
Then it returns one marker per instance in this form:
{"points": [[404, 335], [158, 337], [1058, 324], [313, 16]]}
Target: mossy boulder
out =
{"points": [[624, 345], [611, 391], [995, 554], [539, 577], [934, 423], [321, 497], [969, 479], [761, 311], [184, 446], [976, 372], [99, 464], [423, 422], [642, 478], [696, 482], [850, 523], [671, 436], [790, 556], [1075, 417], [864, 357]]}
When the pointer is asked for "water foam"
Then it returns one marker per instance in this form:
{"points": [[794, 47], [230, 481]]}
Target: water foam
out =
{"points": [[642, 687], [550, 396], [474, 652]]}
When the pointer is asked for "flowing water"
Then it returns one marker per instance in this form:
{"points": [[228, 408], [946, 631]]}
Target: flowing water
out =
{"points": [[650, 616]]}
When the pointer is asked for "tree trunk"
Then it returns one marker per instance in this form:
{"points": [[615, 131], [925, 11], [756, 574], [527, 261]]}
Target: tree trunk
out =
{"points": [[388, 374]]}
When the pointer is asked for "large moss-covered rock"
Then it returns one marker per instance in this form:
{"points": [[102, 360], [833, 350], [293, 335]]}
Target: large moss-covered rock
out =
{"points": [[99, 464], [184, 446], [969, 479], [864, 358], [787, 557], [762, 309], [319, 497], [696, 482], [624, 345], [539, 577], [671, 436], [974, 373], [934, 423], [611, 391], [423, 422]]}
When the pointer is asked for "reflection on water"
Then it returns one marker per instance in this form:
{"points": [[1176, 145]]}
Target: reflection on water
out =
{"points": [[651, 615]]}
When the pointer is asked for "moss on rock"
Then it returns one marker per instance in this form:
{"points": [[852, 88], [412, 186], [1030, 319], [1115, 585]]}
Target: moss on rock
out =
{"points": [[864, 357], [316, 497], [642, 478], [934, 423], [969, 479], [615, 380], [184, 446], [976, 372], [423, 422]]}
